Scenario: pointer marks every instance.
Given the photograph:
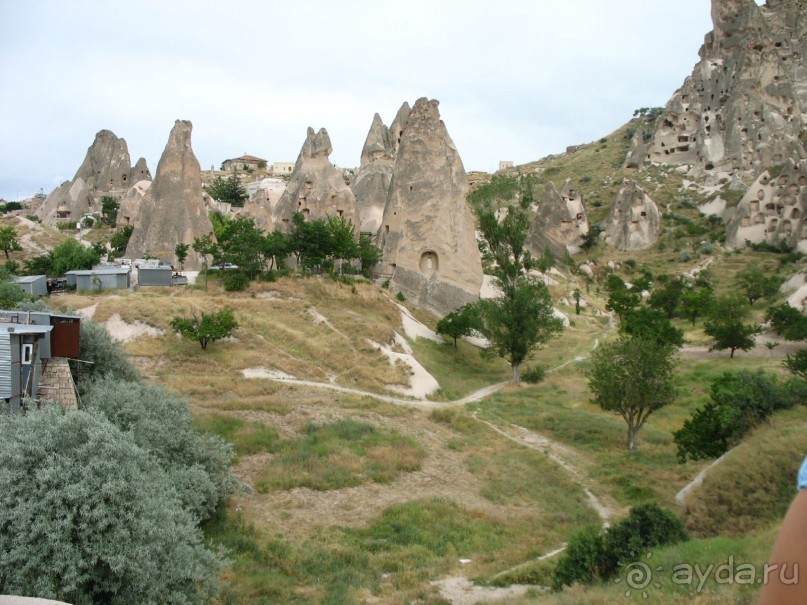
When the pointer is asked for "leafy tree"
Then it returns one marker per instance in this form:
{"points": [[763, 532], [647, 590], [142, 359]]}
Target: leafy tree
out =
{"points": [[667, 297], [739, 402], [8, 241], [229, 190], [120, 239], [87, 516], [109, 209], [276, 247], [67, 256], [547, 260], [160, 422], [522, 318], [208, 328], [369, 255], [651, 324], [632, 377], [591, 238], [181, 252], [796, 364], [310, 242], [695, 302], [576, 295], [462, 322], [205, 246], [787, 321], [755, 284], [623, 302], [725, 325], [11, 294], [342, 241], [241, 243]]}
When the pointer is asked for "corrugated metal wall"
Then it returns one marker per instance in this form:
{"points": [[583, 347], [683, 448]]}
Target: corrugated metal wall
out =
{"points": [[6, 365]]}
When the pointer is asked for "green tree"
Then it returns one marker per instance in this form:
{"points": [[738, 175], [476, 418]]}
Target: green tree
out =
{"points": [[342, 239], [276, 247], [109, 209], [651, 324], [695, 302], [632, 377], [66, 256], [547, 261], [181, 252], [623, 302], [8, 241], [120, 239], [310, 242], [87, 516], [787, 321], [725, 325], [522, 318], [369, 255], [755, 284], [457, 324], [205, 246], [207, 328], [739, 402], [103, 355], [241, 243], [796, 363], [667, 297], [229, 190]]}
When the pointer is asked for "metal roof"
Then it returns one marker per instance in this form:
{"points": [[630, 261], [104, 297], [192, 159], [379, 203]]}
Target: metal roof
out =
{"points": [[111, 271], [24, 328], [27, 279]]}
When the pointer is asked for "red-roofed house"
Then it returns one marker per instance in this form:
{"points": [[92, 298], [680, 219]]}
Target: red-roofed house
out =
{"points": [[244, 162]]}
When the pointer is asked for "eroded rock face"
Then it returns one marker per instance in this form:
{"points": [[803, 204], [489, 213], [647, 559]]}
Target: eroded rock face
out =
{"points": [[173, 210], [772, 210], [560, 223], [372, 181], [131, 205], [141, 171], [316, 188], [427, 231], [744, 105], [106, 170], [262, 204], [633, 221]]}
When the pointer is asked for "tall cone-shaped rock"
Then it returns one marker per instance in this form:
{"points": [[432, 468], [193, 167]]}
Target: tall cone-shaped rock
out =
{"points": [[744, 105], [106, 170], [140, 172], [372, 181], [773, 210], [427, 232], [560, 223], [316, 188], [633, 221], [173, 210]]}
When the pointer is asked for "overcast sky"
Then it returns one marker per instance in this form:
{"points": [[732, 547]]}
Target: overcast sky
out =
{"points": [[516, 80]]}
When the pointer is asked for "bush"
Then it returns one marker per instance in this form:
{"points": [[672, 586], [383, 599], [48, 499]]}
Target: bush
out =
{"points": [[234, 281], [87, 516], [533, 375], [400, 296], [105, 355], [596, 555], [160, 423]]}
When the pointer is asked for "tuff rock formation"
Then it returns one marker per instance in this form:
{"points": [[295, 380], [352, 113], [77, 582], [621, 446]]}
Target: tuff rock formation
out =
{"points": [[106, 170], [173, 209], [372, 181], [316, 188], [744, 105], [633, 221], [140, 172], [262, 203], [427, 232], [772, 210], [130, 205], [560, 223]]}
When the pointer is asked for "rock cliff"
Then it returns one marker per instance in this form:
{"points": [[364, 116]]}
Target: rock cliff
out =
{"points": [[560, 223], [427, 231], [372, 181], [173, 208], [633, 221]]}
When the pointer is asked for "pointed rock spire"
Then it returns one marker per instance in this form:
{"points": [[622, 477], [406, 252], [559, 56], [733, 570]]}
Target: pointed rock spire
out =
{"points": [[560, 223], [633, 221]]}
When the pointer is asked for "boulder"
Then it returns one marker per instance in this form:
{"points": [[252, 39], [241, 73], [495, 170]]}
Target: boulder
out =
{"points": [[427, 233], [633, 221], [560, 223], [316, 188], [173, 208], [743, 108], [372, 181], [772, 210]]}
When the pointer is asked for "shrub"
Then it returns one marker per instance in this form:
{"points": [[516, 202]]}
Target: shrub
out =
{"points": [[160, 423], [596, 555], [400, 296], [234, 281], [87, 516], [533, 374], [105, 355]]}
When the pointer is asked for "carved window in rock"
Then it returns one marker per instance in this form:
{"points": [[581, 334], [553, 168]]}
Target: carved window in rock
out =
{"points": [[795, 214], [754, 206], [429, 263], [759, 219], [746, 221], [634, 225], [773, 225], [340, 213], [306, 213], [787, 227], [124, 177], [770, 208]]}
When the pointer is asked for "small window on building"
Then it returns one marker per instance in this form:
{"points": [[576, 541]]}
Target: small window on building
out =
{"points": [[27, 353]]}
